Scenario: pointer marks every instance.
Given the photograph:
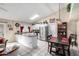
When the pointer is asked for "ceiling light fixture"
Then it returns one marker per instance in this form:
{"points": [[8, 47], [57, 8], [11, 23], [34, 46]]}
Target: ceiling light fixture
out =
{"points": [[34, 17]]}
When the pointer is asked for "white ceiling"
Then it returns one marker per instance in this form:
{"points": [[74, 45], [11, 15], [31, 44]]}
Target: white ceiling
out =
{"points": [[23, 11]]}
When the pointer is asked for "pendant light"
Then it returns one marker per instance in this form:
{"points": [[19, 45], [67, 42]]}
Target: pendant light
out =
{"points": [[59, 20]]}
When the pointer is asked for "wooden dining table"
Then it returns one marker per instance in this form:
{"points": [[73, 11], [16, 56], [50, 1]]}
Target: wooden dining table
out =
{"points": [[58, 43]]}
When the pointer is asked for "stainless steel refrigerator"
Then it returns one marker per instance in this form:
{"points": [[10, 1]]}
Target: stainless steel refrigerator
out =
{"points": [[43, 32]]}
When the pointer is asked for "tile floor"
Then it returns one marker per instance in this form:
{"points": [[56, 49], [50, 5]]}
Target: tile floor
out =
{"points": [[26, 51], [40, 51]]}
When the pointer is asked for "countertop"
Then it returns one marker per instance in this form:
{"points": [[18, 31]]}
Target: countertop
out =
{"points": [[28, 34]]}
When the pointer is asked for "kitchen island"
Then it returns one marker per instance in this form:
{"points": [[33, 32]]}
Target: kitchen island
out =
{"points": [[28, 39]]}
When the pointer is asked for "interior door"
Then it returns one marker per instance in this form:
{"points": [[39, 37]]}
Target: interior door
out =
{"points": [[78, 33], [1, 30]]}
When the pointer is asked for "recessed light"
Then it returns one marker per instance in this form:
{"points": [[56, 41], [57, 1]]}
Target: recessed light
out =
{"points": [[34, 17]]}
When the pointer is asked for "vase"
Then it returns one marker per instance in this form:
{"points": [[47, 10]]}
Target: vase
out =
{"points": [[21, 29]]}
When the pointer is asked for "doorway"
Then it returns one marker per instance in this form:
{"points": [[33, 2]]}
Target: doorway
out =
{"points": [[2, 30]]}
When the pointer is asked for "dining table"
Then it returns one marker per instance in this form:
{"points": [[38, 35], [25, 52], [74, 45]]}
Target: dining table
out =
{"points": [[59, 44]]}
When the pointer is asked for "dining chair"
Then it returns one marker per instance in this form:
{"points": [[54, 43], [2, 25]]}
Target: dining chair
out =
{"points": [[51, 46], [73, 39], [66, 42]]}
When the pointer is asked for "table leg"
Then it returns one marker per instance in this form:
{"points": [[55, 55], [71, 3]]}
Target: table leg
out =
{"points": [[50, 47], [63, 50], [56, 51], [69, 51]]}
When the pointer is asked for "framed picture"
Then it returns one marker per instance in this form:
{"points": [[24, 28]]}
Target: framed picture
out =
{"points": [[17, 24], [10, 28]]}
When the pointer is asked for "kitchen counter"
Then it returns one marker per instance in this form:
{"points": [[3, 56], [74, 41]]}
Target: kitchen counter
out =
{"points": [[28, 39]]}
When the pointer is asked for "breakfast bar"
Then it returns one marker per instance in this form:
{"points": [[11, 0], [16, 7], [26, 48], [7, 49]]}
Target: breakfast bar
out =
{"points": [[28, 39]]}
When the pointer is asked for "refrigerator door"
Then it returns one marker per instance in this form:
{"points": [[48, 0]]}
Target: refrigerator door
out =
{"points": [[43, 33]]}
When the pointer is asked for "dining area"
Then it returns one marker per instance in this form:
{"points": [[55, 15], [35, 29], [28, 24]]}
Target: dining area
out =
{"points": [[59, 42], [61, 47]]}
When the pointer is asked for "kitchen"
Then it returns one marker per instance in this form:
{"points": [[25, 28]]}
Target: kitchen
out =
{"points": [[32, 28]]}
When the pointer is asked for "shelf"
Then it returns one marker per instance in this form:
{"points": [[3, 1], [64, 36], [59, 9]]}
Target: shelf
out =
{"points": [[62, 30]]}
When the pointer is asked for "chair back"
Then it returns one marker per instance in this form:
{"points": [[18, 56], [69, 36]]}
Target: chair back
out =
{"points": [[53, 39], [72, 39], [64, 40], [1, 40], [3, 43]]}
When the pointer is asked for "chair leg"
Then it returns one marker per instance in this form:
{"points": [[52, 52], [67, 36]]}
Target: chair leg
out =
{"points": [[5, 44], [56, 51], [50, 48], [63, 51]]}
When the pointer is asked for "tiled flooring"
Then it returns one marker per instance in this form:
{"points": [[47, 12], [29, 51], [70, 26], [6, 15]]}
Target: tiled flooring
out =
{"points": [[40, 51], [25, 51]]}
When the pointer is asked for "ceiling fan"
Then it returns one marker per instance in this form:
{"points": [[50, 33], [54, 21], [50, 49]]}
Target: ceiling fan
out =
{"points": [[69, 7]]}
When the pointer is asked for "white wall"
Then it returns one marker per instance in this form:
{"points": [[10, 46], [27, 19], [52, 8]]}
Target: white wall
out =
{"points": [[71, 27], [10, 34]]}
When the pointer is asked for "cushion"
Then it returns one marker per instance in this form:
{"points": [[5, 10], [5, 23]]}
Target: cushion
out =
{"points": [[1, 40], [53, 39], [64, 40]]}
